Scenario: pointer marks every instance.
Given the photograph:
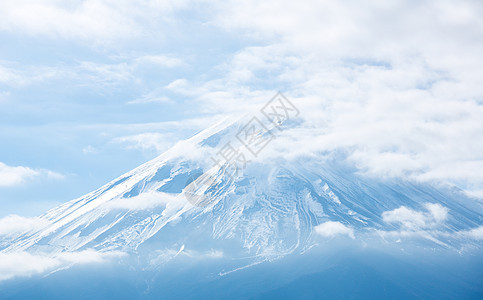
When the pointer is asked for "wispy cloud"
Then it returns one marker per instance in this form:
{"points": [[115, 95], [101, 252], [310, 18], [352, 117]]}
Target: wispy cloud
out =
{"points": [[24, 264], [89, 73], [475, 233], [15, 74], [410, 219], [95, 21], [11, 176], [14, 224], [8, 75], [429, 224], [146, 141]]}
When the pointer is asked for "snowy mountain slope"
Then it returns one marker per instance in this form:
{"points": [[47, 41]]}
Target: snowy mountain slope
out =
{"points": [[272, 209]]}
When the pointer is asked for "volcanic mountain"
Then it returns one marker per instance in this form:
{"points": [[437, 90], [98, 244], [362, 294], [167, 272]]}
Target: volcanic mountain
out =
{"points": [[271, 208]]}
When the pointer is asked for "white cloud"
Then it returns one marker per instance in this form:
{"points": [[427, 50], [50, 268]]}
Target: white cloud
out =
{"points": [[475, 233], [12, 75], [11, 176], [14, 224], [15, 175], [179, 85], [146, 141], [15, 75], [21, 264], [95, 21], [96, 74], [105, 74], [413, 220], [7, 75], [438, 213], [402, 98], [124, 69], [332, 229], [86, 19], [24, 264], [428, 225]]}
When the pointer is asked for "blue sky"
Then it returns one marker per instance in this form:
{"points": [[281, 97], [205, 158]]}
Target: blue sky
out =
{"points": [[91, 89]]}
